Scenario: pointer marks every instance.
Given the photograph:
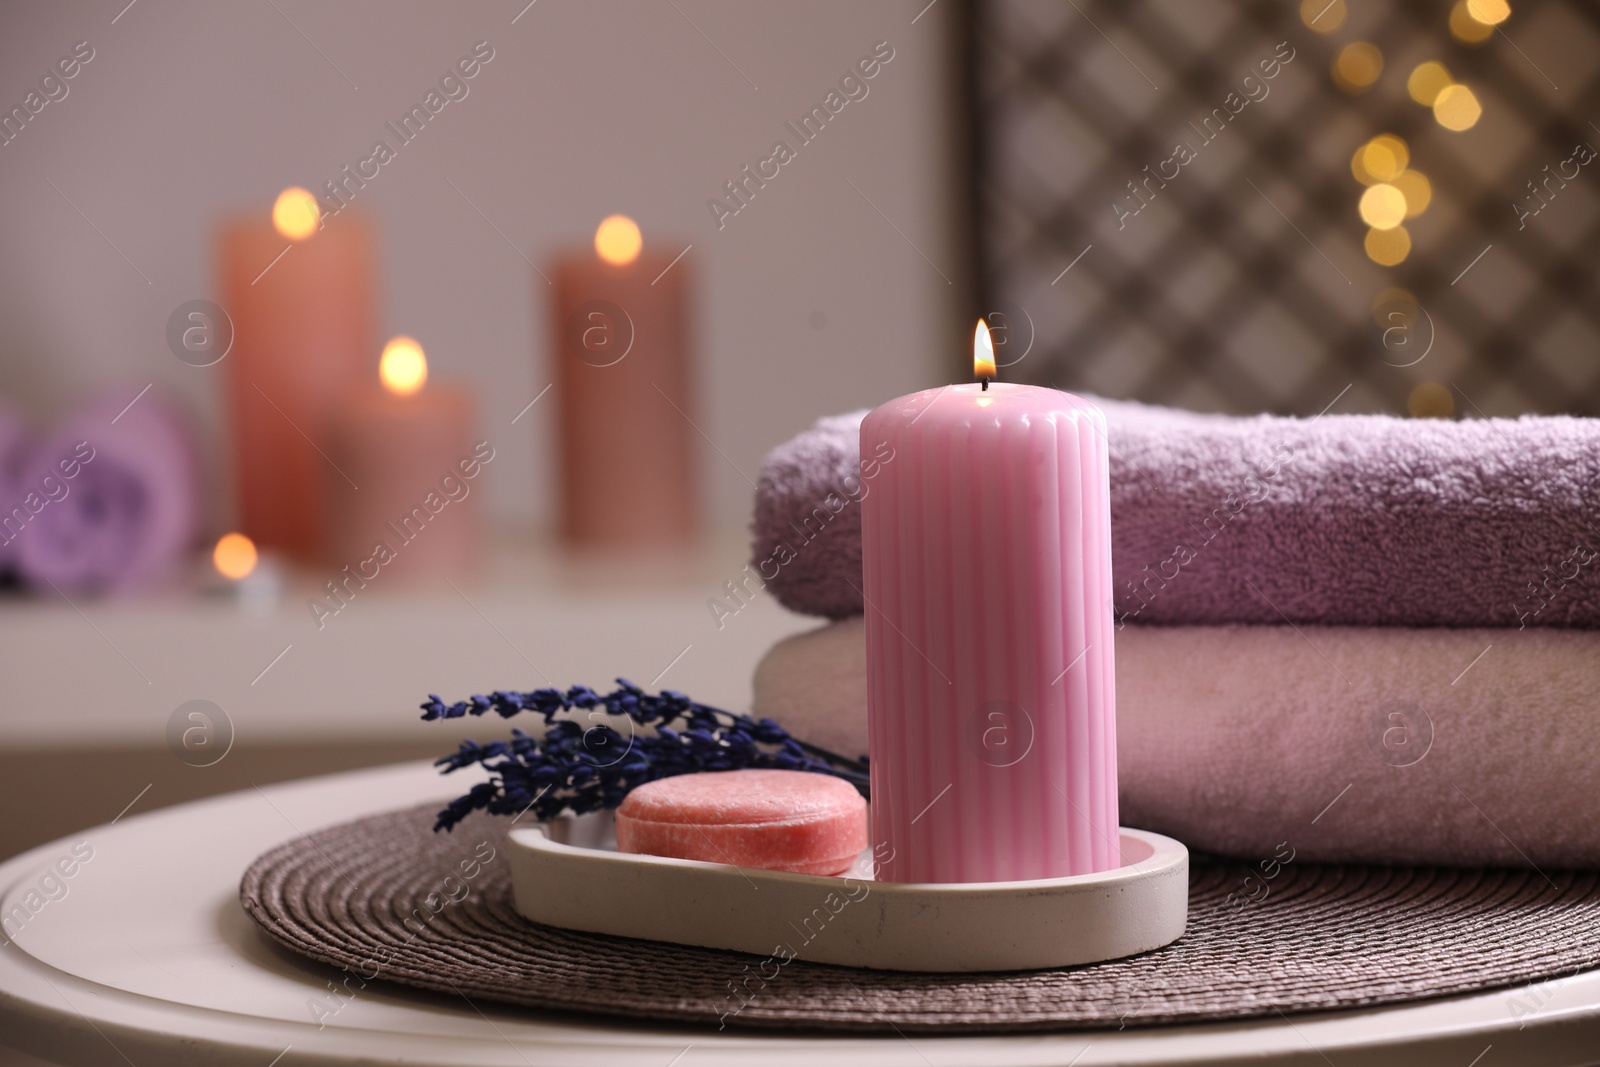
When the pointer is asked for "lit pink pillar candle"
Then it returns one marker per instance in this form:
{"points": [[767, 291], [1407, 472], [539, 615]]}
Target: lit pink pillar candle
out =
{"points": [[404, 477], [986, 555]]}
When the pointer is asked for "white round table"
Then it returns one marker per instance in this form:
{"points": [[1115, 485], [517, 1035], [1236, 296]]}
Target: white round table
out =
{"points": [[143, 955]]}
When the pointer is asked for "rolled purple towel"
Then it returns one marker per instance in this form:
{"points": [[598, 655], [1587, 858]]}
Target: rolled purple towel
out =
{"points": [[1357, 520], [807, 524], [107, 506], [13, 442]]}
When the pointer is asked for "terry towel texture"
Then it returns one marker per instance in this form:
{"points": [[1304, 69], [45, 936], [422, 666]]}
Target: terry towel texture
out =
{"points": [[1350, 744], [1359, 520]]}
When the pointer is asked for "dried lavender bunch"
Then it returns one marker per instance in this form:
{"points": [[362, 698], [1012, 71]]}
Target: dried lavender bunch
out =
{"points": [[585, 768]]}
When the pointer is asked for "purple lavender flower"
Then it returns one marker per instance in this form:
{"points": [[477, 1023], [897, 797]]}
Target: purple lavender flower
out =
{"points": [[581, 768]]}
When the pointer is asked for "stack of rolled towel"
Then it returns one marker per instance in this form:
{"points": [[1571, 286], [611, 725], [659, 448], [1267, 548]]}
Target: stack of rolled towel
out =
{"points": [[1375, 639], [108, 501]]}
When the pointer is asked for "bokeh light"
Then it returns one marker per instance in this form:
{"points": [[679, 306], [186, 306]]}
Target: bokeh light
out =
{"points": [[402, 367], [1388, 247], [1431, 400], [1489, 12], [1358, 167], [235, 556], [1383, 207], [617, 240], [1465, 28], [1457, 108], [1427, 80], [1324, 16], [295, 214], [1381, 159], [1356, 66], [1417, 190]]}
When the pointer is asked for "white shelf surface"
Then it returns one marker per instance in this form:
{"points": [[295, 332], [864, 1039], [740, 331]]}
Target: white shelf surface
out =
{"points": [[111, 672]]}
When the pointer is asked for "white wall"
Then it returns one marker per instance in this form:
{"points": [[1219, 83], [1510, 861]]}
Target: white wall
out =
{"points": [[189, 111]]}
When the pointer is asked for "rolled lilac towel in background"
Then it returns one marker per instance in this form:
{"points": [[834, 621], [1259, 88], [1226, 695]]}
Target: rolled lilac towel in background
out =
{"points": [[1358, 520], [107, 505], [13, 440], [809, 554]]}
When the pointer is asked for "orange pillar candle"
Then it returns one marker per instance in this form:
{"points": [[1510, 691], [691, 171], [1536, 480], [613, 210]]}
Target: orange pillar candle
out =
{"points": [[404, 477], [628, 478], [300, 298]]}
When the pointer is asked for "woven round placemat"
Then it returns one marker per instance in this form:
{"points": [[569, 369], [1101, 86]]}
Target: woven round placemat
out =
{"points": [[389, 900]]}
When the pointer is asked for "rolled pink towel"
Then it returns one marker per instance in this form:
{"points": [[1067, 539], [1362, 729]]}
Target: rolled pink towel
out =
{"points": [[1358, 520], [1350, 744], [113, 499]]}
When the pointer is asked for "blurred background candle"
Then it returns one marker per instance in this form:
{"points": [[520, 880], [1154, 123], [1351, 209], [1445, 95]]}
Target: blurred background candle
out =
{"points": [[404, 473], [628, 478], [300, 297], [986, 556], [242, 574]]}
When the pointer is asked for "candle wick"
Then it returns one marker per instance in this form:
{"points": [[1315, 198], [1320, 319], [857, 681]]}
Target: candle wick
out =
{"points": [[985, 381]]}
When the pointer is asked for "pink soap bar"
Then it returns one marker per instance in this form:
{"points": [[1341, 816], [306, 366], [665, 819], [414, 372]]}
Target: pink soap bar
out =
{"points": [[775, 820]]}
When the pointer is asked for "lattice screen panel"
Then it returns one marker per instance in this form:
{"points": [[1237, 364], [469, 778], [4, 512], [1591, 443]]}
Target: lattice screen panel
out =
{"points": [[1241, 282]]}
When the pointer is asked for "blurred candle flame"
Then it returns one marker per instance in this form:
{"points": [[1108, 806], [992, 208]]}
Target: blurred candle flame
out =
{"points": [[617, 240], [403, 368], [295, 215]]}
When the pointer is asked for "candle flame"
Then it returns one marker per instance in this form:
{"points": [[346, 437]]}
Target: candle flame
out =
{"points": [[982, 352], [235, 556], [295, 214], [402, 368], [617, 241]]}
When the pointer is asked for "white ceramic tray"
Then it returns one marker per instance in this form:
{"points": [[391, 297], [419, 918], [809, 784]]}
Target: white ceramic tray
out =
{"points": [[567, 873]]}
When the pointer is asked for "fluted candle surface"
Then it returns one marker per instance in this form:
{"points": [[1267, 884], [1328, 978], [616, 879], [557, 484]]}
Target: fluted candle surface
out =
{"points": [[986, 559]]}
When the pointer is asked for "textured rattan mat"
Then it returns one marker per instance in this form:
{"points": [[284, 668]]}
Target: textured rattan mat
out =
{"points": [[358, 896]]}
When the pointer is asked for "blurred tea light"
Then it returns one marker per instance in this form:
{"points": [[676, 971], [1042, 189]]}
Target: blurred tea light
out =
{"points": [[1324, 16], [234, 556], [295, 214], [1456, 108], [1430, 400], [617, 240], [1357, 66], [240, 574], [402, 368], [1427, 81], [1383, 207], [1465, 27], [1388, 247]]}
